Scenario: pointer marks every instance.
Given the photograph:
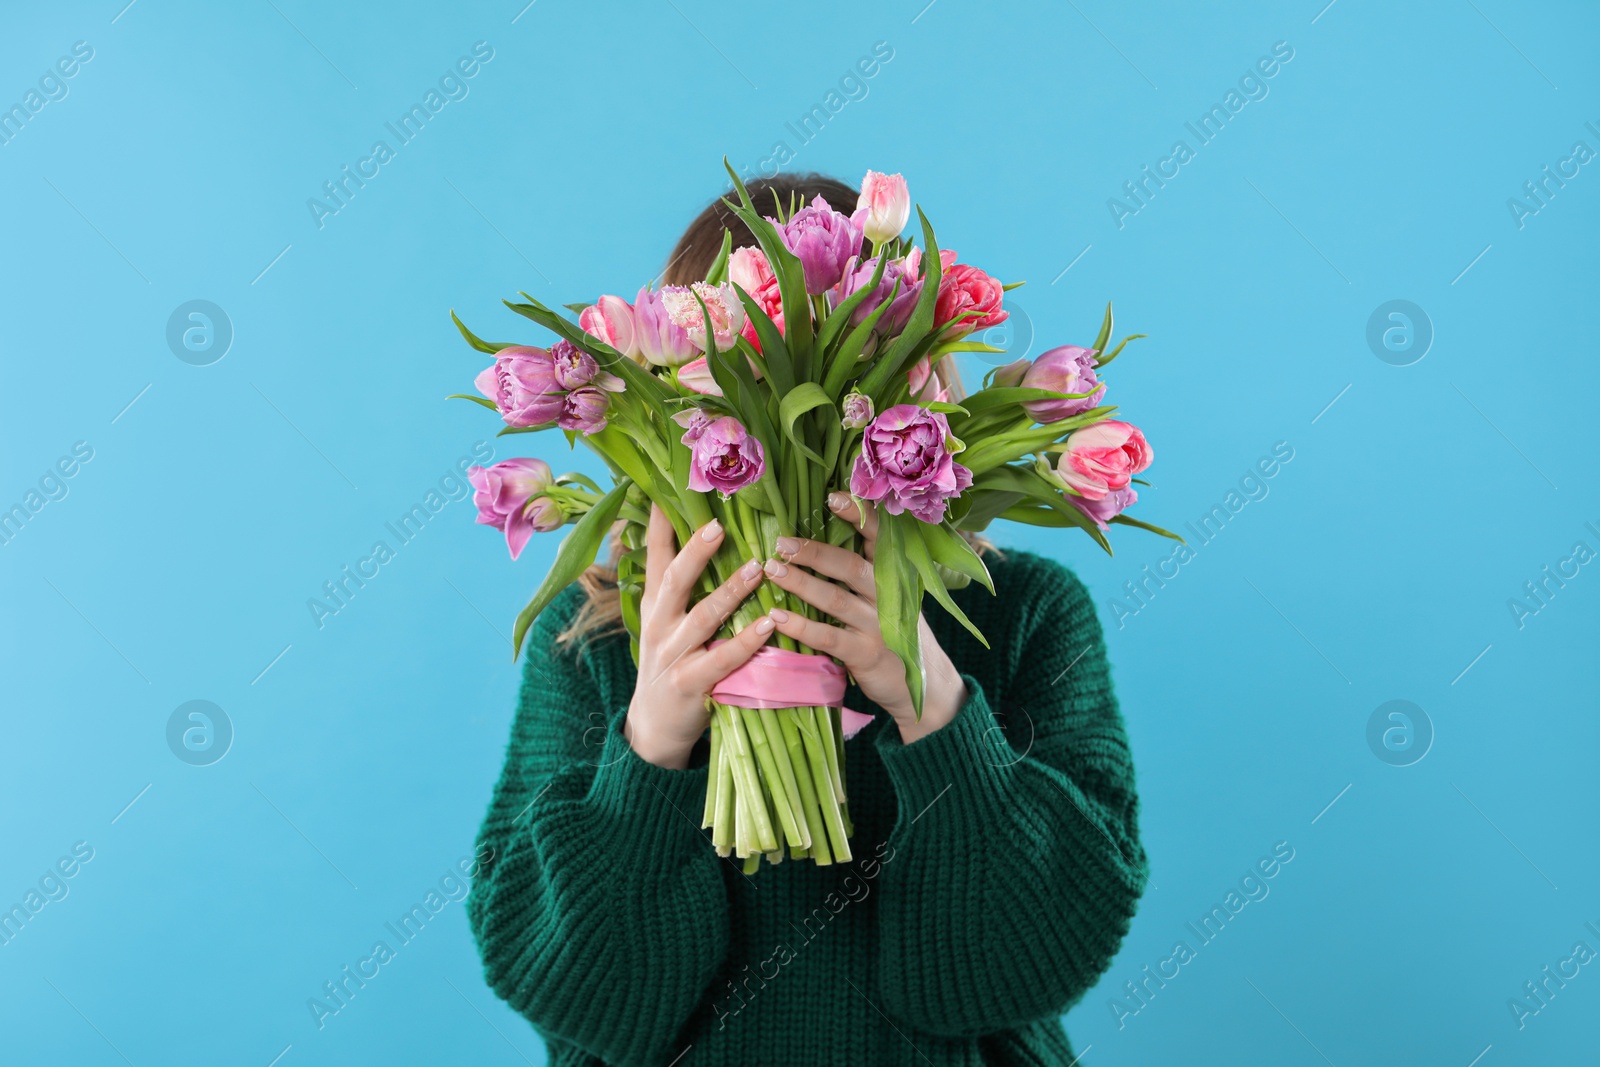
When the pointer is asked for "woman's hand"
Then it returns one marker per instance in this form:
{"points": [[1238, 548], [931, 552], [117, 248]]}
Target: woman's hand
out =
{"points": [[858, 643], [668, 711]]}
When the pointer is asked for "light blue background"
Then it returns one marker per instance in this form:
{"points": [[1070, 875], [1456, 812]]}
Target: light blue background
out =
{"points": [[1379, 567]]}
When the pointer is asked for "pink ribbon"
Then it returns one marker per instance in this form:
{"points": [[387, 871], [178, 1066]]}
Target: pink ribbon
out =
{"points": [[778, 678]]}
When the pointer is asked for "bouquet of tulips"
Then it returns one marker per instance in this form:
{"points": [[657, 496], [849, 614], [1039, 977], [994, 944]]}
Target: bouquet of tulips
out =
{"points": [[796, 368]]}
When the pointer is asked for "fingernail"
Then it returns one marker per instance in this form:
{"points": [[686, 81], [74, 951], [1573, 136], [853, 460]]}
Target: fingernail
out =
{"points": [[788, 545], [778, 615], [750, 570], [711, 531], [838, 501], [765, 625], [776, 568]]}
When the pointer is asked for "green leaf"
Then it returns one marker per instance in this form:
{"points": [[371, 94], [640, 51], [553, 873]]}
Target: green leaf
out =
{"points": [[573, 477], [849, 354], [1117, 351], [773, 348], [719, 266], [804, 397], [1001, 396], [1105, 331], [646, 386], [1129, 520], [576, 554], [917, 552], [982, 507], [899, 592], [785, 266], [1008, 286], [839, 317], [946, 407], [918, 327], [578, 309], [474, 340], [481, 401], [949, 549]]}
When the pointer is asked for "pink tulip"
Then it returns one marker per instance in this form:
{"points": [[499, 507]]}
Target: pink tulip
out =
{"points": [[886, 202], [722, 304], [726, 458], [694, 422], [913, 261], [1102, 511], [504, 495], [661, 341], [611, 320], [855, 411], [749, 270], [1103, 458], [967, 290], [696, 377], [573, 368], [584, 410], [522, 383], [925, 385], [1068, 369], [907, 463]]}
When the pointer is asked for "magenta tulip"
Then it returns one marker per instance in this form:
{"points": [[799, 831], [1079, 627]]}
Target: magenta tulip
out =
{"points": [[504, 495], [1068, 369], [726, 458], [522, 383], [906, 463]]}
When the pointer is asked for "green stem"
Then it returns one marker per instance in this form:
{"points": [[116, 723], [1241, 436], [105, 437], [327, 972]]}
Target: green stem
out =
{"points": [[713, 778], [817, 762], [766, 755], [808, 793], [787, 780], [749, 800], [722, 827]]}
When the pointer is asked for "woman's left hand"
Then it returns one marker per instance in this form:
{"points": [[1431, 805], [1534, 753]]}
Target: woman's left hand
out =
{"points": [[858, 643]]}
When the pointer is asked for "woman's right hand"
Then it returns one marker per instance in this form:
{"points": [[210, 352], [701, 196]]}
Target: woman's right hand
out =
{"points": [[668, 711]]}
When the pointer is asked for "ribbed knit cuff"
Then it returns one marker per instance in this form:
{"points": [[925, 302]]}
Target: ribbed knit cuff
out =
{"points": [[962, 753], [659, 805]]}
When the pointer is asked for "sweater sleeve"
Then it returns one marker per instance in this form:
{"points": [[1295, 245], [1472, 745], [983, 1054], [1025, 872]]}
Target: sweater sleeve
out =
{"points": [[602, 915], [1016, 862]]}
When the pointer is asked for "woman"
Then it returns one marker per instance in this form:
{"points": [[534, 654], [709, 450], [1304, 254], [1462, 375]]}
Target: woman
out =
{"points": [[998, 858]]}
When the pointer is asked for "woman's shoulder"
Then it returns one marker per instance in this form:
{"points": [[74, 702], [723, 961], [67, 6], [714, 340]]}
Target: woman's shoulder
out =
{"points": [[1019, 574], [1027, 588]]}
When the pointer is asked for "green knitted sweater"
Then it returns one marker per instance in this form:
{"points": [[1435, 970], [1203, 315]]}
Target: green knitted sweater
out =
{"points": [[997, 865]]}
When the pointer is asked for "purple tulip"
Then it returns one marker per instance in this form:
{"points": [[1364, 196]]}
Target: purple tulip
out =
{"points": [[823, 240], [1068, 369], [726, 458], [906, 463], [522, 383], [694, 422], [661, 341], [858, 274], [584, 409], [855, 410], [1102, 511], [504, 495]]}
